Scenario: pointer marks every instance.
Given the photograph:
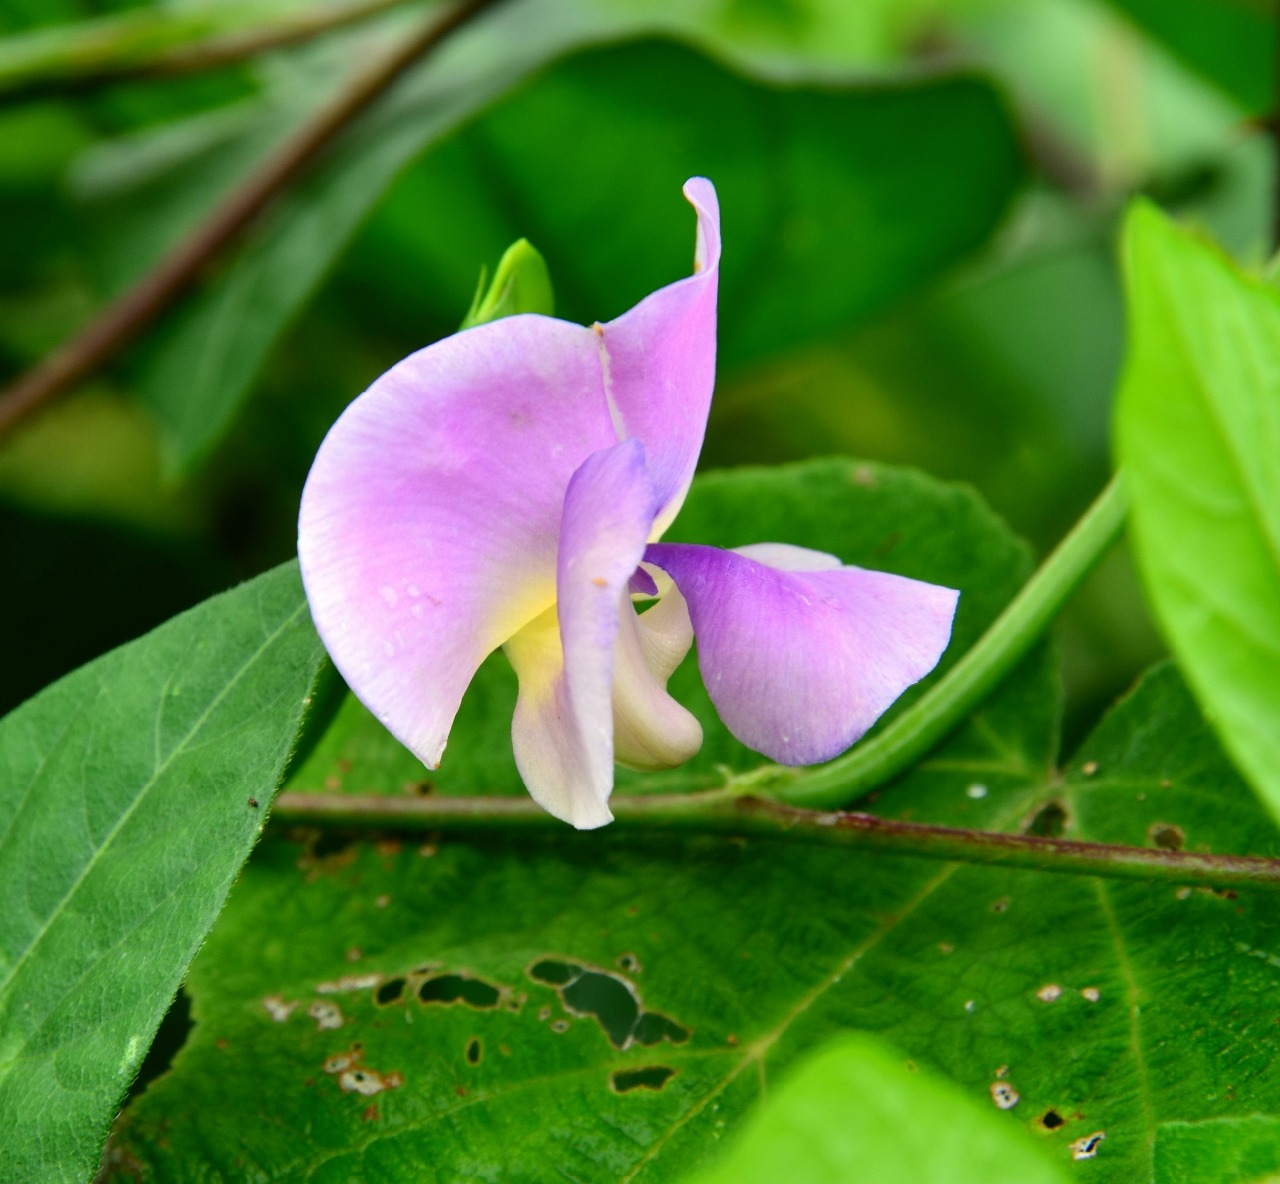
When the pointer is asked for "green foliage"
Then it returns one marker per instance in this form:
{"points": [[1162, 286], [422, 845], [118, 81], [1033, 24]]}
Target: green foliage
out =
{"points": [[857, 1110], [1198, 432], [1054, 994], [830, 219], [125, 814]]}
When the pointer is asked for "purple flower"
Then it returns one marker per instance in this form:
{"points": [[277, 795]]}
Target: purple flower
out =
{"points": [[507, 487]]}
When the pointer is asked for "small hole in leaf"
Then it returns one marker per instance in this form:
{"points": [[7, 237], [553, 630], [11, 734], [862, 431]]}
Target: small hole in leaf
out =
{"points": [[554, 974], [608, 999], [1167, 836], [1051, 1120], [474, 1051], [454, 988], [169, 1039], [654, 1029], [651, 1077], [392, 991], [1049, 821]]}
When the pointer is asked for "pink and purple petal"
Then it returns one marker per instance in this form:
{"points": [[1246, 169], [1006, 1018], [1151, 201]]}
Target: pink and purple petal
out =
{"points": [[563, 726], [659, 362], [800, 663], [430, 521]]}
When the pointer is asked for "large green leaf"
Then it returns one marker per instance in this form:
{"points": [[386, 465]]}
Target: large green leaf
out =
{"points": [[600, 1007], [1198, 433], [130, 794], [722, 939], [858, 1110], [837, 197]]}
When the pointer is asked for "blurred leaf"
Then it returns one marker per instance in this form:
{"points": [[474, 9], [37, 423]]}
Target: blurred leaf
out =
{"points": [[1198, 434], [863, 172], [520, 284], [142, 38], [124, 817], [1231, 42], [857, 1110], [870, 515]]}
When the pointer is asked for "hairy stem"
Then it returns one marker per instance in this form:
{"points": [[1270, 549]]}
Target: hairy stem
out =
{"points": [[960, 691], [725, 812], [136, 309]]}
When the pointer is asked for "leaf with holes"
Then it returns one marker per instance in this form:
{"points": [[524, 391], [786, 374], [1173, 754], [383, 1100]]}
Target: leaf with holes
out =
{"points": [[512, 1006], [858, 1110], [130, 793], [1198, 434]]}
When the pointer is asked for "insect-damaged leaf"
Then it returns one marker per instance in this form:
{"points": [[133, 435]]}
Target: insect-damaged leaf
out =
{"points": [[857, 1109], [125, 814]]}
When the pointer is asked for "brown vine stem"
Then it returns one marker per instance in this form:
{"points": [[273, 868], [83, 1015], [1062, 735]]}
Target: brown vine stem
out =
{"points": [[122, 321], [731, 813]]}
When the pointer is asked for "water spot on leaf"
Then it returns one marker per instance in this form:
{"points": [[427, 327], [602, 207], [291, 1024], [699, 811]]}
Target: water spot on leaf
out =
{"points": [[1051, 1120], [1004, 1095], [392, 991], [449, 989], [1087, 1147], [475, 1050], [609, 999], [653, 1077], [1167, 836]]}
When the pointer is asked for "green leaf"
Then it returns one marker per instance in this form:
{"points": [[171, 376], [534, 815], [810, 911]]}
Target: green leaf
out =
{"points": [[1097, 1013], [1198, 434], [723, 942], [125, 814], [521, 284], [1220, 1151], [858, 1110], [1231, 42], [837, 198]]}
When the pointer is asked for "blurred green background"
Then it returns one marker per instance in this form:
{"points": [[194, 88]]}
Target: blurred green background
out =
{"points": [[920, 203]]}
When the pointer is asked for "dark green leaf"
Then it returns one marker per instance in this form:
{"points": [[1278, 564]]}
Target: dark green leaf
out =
{"points": [[1231, 42], [858, 1110], [125, 813], [1198, 434], [838, 198]]}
